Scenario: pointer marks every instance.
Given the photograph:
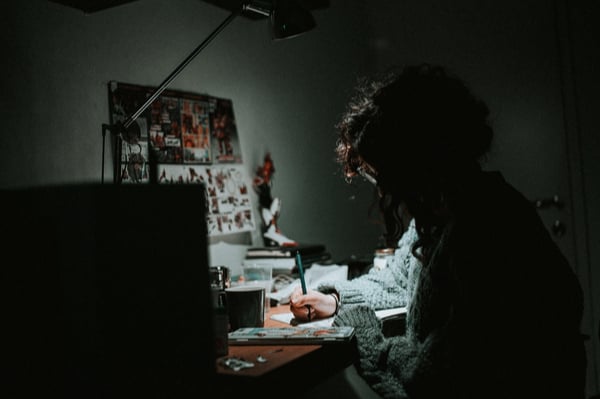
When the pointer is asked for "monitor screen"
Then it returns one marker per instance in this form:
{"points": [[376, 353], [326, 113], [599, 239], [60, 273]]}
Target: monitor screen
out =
{"points": [[107, 291]]}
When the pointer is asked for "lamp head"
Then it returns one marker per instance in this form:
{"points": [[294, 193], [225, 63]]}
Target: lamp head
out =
{"points": [[288, 18]]}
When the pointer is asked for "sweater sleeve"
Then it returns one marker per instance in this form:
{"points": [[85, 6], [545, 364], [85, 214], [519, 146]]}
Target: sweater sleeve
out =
{"points": [[387, 288], [380, 359], [399, 366]]}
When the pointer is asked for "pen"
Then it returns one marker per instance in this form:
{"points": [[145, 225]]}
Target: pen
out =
{"points": [[302, 279], [301, 271]]}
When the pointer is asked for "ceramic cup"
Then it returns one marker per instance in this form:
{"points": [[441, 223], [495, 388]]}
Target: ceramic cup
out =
{"points": [[245, 305]]}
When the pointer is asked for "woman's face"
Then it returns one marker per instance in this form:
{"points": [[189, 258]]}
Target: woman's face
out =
{"points": [[368, 173]]}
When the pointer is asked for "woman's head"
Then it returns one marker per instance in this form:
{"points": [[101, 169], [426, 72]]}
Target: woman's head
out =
{"points": [[419, 133], [413, 126]]}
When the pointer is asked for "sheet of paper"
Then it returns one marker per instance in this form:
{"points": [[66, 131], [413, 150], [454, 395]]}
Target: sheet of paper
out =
{"points": [[288, 317], [313, 276], [387, 313]]}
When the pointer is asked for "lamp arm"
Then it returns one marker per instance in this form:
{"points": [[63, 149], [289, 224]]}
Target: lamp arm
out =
{"points": [[180, 68], [118, 129]]}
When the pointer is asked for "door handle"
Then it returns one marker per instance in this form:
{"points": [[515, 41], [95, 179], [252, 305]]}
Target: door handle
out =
{"points": [[558, 228], [544, 203]]}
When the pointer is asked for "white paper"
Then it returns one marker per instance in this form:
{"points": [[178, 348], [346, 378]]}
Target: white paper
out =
{"points": [[289, 316], [313, 276], [381, 314]]}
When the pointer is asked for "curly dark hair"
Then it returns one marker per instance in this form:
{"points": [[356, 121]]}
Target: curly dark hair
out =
{"points": [[419, 129]]}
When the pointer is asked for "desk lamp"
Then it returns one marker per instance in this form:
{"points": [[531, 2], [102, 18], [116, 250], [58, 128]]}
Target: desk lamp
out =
{"points": [[287, 19]]}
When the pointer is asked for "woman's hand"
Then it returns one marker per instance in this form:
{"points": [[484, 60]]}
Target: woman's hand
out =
{"points": [[320, 305]]}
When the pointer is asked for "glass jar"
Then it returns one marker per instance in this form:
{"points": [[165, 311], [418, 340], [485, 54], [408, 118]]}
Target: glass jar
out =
{"points": [[380, 260]]}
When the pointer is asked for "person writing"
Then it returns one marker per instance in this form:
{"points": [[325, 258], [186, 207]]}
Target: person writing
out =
{"points": [[497, 309], [387, 288]]}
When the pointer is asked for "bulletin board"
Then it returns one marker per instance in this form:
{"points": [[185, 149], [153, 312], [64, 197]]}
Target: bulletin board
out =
{"points": [[190, 138]]}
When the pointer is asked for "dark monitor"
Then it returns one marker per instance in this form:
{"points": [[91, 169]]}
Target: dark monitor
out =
{"points": [[106, 291]]}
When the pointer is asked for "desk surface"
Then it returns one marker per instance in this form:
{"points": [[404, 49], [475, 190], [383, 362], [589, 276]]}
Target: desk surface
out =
{"points": [[283, 363], [276, 355]]}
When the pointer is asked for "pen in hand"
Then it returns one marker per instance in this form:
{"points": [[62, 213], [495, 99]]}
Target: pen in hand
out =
{"points": [[302, 279]]}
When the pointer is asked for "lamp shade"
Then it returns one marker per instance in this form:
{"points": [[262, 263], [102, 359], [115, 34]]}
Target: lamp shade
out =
{"points": [[289, 19]]}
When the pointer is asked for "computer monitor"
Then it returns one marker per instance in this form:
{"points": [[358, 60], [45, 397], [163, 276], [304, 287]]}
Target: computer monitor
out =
{"points": [[106, 291]]}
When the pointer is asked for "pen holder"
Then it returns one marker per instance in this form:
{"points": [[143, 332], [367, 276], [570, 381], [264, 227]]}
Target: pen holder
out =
{"points": [[220, 277]]}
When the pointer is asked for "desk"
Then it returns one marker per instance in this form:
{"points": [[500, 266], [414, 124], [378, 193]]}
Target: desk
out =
{"points": [[287, 368]]}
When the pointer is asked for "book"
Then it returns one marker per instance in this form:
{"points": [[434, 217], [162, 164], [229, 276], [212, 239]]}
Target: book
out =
{"points": [[285, 252], [298, 335]]}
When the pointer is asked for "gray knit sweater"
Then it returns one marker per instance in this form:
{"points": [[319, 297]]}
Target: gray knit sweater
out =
{"points": [[387, 288]]}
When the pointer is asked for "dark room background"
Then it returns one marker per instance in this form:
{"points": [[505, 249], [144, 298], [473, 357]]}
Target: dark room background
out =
{"points": [[534, 62]]}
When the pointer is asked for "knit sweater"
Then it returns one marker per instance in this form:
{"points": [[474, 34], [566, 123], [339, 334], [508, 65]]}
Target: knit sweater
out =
{"points": [[385, 288], [496, 313]]}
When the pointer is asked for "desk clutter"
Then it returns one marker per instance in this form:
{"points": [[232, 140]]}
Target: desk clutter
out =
{"points": [[282, 286], [283, 258]]}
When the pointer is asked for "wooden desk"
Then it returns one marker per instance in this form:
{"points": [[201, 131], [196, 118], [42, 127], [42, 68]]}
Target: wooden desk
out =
{"points": [[287, 368]]}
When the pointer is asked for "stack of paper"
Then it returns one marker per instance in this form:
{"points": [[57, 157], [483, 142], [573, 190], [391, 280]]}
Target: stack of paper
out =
{"points": [[283, 259]]}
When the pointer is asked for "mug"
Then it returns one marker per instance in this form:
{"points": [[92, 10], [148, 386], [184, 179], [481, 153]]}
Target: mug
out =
{"points": [[245, 305]]}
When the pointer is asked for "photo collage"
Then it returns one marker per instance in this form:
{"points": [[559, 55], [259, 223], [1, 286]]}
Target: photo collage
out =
{"points": [[183, 138]]}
